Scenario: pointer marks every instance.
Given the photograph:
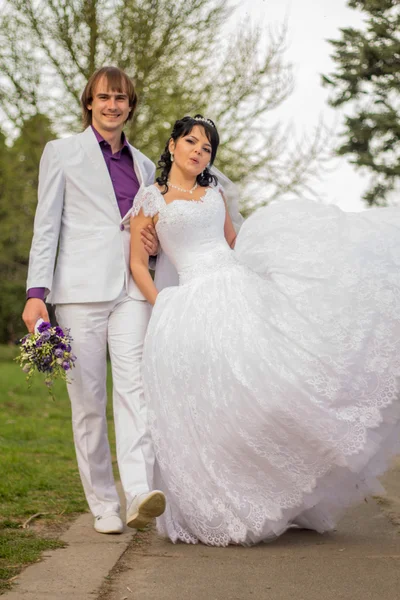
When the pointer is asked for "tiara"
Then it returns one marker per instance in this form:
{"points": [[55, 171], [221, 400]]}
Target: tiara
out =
{"points": [[205, 120]]}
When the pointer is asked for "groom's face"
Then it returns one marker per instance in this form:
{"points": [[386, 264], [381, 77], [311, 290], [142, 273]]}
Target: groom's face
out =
{"points": [[110, 108]]}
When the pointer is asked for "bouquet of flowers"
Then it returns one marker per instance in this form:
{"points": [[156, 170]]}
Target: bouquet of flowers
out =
{"points": [[48, 351]]}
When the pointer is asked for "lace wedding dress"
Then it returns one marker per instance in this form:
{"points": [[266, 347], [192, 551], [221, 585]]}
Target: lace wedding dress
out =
{"points": [[271, 371]]}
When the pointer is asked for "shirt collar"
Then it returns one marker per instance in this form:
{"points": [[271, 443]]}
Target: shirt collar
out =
{"points": [[100, 139]]}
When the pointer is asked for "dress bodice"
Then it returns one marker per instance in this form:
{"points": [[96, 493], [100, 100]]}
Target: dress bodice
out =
{"points": [[191, 233]]}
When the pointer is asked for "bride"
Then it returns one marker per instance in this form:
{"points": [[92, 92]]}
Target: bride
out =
{"points": [[271, 370]]}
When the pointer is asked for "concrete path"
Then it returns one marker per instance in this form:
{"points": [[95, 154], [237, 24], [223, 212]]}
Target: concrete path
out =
{"points": [[360, 561], [75, 572]]}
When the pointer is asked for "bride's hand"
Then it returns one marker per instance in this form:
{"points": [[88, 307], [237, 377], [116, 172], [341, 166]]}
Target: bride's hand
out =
{"points": [[150, 240]]}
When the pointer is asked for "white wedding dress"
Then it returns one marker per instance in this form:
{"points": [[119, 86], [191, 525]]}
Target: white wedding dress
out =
{"points": [[271, 371]]}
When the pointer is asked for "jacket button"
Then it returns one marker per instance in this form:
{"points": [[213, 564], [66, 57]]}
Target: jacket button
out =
{"points": [[122, 227]]}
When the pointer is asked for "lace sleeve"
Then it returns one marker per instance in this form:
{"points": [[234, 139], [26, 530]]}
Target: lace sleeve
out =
{"points": [[149, 200]]}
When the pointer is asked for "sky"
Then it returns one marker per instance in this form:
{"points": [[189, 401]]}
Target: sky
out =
{"points": [[310, 24]]}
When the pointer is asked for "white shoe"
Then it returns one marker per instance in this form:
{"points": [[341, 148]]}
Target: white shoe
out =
{"points": [[144, 508], [109, 523]]}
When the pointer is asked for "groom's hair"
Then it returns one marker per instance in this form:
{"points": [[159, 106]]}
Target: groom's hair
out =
{"points": [[117, 81]]}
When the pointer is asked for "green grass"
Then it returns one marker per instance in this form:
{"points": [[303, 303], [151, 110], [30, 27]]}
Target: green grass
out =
{"points": [[7, 353], [19, 548], [38, 472]]}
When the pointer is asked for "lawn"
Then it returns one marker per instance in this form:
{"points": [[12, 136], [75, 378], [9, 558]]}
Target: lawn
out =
{"points": [[38, 472]]}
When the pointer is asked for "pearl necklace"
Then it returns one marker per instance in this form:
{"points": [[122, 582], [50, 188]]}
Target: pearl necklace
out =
{"points": [[182, 189]]}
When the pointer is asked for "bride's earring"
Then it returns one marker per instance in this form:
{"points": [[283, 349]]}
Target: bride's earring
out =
{"points": [[172, 156]]}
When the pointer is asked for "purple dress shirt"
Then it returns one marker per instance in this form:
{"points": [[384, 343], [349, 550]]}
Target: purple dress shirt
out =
{"points": [[122, 173], [123, 178]]}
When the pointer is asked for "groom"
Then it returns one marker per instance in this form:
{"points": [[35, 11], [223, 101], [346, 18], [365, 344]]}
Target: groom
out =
{"points": [[87, 185]]}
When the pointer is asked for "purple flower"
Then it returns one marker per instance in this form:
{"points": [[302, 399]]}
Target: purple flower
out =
{"points": [[49, 353], [44, 326]]}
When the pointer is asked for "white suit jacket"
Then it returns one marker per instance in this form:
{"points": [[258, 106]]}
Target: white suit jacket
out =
{"points": [[78, 226]]}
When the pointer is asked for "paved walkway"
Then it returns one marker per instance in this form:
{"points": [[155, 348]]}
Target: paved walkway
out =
{"points": [[360, 561], [75, 572]]}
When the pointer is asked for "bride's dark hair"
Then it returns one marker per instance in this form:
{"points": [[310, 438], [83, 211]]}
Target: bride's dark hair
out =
{"points": [[181, 128]]}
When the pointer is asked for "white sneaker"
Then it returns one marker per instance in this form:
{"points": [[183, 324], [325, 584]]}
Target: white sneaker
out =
{"points": [[109, 523], [144, 508]]}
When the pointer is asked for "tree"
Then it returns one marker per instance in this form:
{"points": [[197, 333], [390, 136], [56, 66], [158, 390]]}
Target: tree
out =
{"points": [[367, 79], [181, 62], [18, 198]]}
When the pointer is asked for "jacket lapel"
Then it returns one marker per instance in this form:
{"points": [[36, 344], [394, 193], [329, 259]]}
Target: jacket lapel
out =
{"points": [[93, 151], [139, 170], [137, 164]]}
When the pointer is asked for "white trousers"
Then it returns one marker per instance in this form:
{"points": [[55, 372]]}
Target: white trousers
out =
{"points": [[122, 325]]}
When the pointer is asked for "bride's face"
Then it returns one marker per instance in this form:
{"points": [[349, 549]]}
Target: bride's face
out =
{"points": [[192, 152]]}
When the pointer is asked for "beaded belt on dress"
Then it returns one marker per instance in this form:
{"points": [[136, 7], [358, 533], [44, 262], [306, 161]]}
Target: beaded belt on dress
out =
{"points": [[208, 264]]}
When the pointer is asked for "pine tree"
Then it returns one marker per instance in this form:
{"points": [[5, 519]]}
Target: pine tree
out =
{"points": [[367, 80]]}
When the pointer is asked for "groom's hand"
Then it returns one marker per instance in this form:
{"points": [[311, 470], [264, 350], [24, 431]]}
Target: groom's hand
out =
{"points": [[150, 240], [34, 310]]}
